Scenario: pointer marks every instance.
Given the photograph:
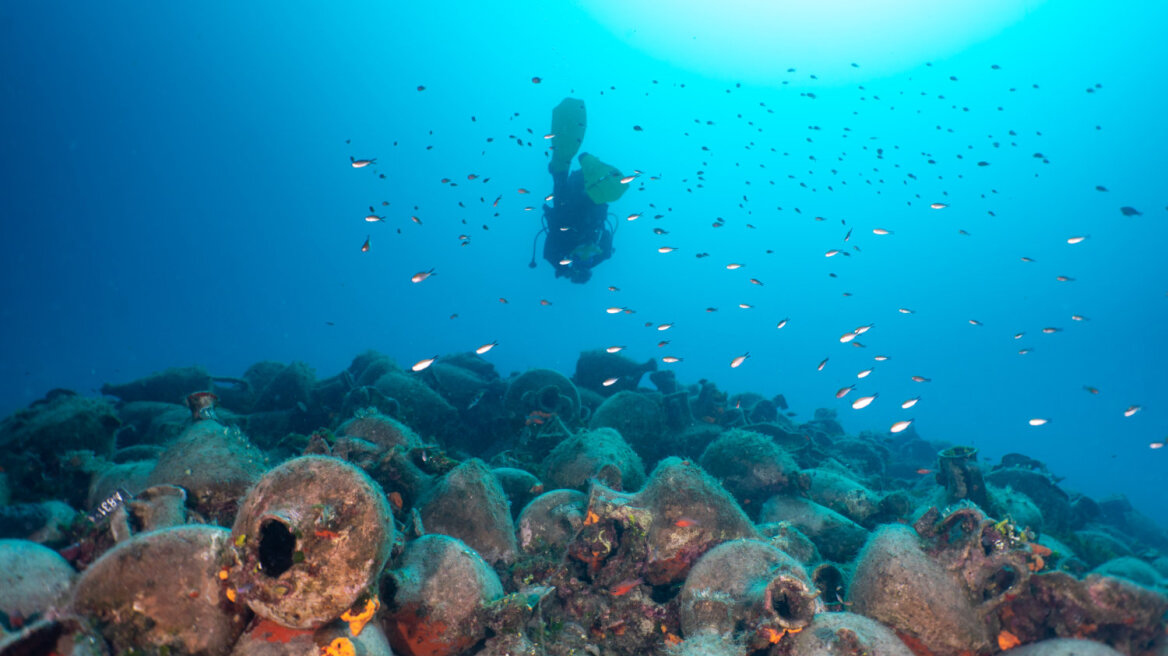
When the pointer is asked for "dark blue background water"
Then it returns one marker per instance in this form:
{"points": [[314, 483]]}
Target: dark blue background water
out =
{"points": [[177, 190]]}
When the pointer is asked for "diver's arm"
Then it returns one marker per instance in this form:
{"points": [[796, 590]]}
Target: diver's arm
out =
{"points": [[605, 244]]}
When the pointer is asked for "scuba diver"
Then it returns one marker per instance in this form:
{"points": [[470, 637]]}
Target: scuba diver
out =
{"points": [[579, 235]]}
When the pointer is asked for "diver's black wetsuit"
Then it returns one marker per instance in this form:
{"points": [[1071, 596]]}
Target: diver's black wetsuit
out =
{"points": [[576, 229]]}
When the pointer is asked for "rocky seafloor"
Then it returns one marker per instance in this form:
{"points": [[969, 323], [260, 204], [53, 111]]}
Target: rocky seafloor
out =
{"points": [[451, 511]]}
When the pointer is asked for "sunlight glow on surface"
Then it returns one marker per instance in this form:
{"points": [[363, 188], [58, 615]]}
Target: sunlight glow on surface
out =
{"points": [[758, 40]]}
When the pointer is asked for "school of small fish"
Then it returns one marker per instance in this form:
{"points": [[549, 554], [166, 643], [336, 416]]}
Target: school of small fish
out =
{"points": [[847, 253]]}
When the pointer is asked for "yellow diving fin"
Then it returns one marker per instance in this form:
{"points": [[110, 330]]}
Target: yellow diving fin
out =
{"points": [[602, 182], [568, 124]]}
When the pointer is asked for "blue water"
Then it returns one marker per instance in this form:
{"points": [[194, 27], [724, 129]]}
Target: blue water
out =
{"points": [[178, 190]]}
